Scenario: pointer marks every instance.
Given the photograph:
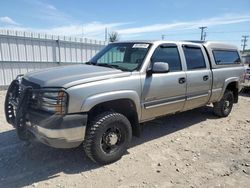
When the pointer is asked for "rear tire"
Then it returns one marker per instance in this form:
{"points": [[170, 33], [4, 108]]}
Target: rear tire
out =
{"points": [[107, 138], [225, 105]]}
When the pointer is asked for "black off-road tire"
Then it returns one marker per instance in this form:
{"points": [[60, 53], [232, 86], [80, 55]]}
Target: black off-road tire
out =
{"points": [[225, 105], [93, 144]]}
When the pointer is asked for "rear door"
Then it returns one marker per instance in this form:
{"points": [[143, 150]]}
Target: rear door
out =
{"points": [[199, 76]]}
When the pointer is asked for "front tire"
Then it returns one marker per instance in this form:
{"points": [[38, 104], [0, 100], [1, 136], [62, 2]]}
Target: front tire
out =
{"points": [[107, 138], [225, 105]]}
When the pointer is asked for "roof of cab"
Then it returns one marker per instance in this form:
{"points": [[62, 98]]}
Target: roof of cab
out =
{"points": [[207, 44]]}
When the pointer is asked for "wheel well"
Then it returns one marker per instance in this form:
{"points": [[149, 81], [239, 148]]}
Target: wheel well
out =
{"points": [[123, 106], [233, 86]]}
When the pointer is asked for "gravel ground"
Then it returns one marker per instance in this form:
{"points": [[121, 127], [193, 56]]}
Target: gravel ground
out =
{"points": [[190, 149]]}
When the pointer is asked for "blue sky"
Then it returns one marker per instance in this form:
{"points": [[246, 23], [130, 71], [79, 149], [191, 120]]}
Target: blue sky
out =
{"points": [[227, 20]]}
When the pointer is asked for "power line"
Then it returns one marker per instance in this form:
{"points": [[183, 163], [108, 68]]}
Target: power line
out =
{"points": [[229, 31], [204, 35], [209, 32], [224, 40], [244, 40], [179, 34]]}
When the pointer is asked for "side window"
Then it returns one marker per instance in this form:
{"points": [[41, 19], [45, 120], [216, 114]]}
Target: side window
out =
{"points": [[225, 57], [137, 55], [194, 58], [168, 54]]}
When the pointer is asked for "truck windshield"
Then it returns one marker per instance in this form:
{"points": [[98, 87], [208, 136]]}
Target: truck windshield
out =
{"points": [[123, 56]]}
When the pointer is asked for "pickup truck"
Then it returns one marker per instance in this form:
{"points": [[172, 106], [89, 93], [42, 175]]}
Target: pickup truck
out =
{"points": [[99, 105]]}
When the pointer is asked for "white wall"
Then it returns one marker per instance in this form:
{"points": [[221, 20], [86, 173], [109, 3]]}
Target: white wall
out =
{"points": [[21, 52]]}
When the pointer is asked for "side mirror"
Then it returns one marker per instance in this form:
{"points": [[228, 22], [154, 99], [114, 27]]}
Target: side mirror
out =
{"points": [[160, 67]]}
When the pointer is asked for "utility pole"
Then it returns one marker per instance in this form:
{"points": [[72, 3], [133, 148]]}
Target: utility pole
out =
{"points": [[82, 32], [163, 37], [202, 32], [106, 34], [204, 36], [244, 40]]}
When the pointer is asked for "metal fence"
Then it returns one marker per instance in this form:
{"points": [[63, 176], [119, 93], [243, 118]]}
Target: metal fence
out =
{"points": [[21, 52]]}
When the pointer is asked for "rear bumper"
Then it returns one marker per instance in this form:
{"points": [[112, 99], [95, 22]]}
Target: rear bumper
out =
{"points": [[247, 81], [58, 131]]}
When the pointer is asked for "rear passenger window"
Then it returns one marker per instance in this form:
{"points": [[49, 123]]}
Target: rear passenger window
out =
{"points": [[194, 58], [223, 57], [168, 54]]}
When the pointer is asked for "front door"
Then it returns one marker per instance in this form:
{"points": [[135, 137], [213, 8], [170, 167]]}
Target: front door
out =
{"points": [[164, 93]]}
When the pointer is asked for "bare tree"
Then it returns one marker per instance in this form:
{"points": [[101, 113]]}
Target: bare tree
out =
{"points": [[113, 36]]}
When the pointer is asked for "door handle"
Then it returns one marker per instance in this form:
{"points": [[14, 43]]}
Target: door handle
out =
{"points": [[182, 80], [205, 78]]}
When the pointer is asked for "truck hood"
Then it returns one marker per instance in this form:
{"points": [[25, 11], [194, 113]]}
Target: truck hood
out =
{"points": [[68, 76]]}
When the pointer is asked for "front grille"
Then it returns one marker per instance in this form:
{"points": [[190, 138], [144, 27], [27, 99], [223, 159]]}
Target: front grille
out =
{"points": [[33, 102], [47, 100]]}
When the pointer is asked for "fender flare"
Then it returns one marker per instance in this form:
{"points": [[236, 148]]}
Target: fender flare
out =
{"points": [[96, 99], [227, 82]]}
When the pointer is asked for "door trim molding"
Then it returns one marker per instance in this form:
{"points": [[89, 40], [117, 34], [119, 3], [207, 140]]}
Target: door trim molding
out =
{"points": [[172, 100], [165, 101], [196, 96]]}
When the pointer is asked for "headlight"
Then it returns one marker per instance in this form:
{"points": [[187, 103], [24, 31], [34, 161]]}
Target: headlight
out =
{"points": [[54, 101]]}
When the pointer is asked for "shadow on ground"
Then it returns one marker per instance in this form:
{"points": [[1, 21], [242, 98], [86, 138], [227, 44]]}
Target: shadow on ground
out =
{"points": [[22, 165], [245, 92]]}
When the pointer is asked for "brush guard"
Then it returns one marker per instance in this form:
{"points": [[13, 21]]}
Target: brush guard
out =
{"points": [[16, 105]]}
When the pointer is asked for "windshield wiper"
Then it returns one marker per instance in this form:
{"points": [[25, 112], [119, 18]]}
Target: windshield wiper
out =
{"points": [[112, 66]]}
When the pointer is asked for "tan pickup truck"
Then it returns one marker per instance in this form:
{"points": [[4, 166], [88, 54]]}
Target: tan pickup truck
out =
{"points": [[100, 104]]}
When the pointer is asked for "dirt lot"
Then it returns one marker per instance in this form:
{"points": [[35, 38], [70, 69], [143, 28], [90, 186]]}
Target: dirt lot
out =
{"points": [[191, 149]]}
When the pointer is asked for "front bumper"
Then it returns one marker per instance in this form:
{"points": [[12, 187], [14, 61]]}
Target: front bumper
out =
{"points": [[58, 131]]}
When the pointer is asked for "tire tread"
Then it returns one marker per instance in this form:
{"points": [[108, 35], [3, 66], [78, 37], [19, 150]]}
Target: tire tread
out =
{"points": [[218, 105], [93, 129]]}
